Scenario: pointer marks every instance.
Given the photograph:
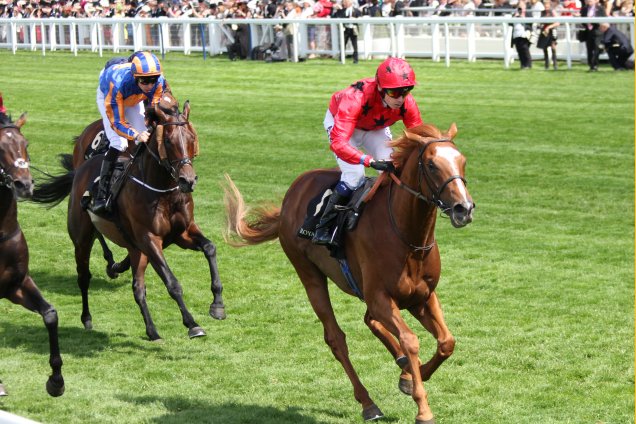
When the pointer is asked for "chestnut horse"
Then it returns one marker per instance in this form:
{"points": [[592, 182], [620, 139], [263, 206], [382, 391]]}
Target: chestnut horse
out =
{"points": [[392, 253], [15, 282], [153, 210]]}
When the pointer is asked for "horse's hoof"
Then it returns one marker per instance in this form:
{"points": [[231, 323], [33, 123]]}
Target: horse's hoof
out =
{"points": [[157, 340], [196, 332], [3, 392], [217, 312], [372, 413], [402, 361], [55, 388], [431, 421], [112, 274], [406, 386], [88, 325]]}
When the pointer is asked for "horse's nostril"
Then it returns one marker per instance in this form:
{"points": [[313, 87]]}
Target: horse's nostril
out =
{"points": [[459, 209]]}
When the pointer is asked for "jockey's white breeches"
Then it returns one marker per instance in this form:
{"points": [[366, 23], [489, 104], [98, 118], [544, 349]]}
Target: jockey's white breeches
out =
{"points": [[373, 142]]}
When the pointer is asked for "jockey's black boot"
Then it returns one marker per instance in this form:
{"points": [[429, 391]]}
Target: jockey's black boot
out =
{"points": [[324, 229], [100, 202]]}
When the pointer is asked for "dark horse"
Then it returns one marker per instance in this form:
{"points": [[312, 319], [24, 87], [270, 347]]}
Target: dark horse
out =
{"points": [[15, 282], [153, 210], [393, 254]]}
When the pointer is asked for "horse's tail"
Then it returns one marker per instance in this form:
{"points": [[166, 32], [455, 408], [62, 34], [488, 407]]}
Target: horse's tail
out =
{"points": [[56, 188], [263, 224]]}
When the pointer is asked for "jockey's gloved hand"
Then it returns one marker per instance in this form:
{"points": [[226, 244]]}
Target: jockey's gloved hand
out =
{"points": [[382, 165], [142, 137]]}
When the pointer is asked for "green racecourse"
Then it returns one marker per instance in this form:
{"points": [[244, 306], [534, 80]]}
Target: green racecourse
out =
{"points": [[538, 290]]}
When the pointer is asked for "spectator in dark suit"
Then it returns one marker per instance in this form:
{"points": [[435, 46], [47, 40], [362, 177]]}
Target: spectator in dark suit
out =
{"points": [[521, 37], [350, 30], [617, 46], [591, 32]]}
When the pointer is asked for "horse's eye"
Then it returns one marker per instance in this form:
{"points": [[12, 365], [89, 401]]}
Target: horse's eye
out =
{"points": [[431, 166]]}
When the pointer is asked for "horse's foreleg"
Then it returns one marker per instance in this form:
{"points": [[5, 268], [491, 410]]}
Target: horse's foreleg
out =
{"points": [[139, 264], [158, 262], [113, 269], [388, 314], [30, 297], [316, 288], [195, 240], [405, 384], [432, 318], [108, 257]]}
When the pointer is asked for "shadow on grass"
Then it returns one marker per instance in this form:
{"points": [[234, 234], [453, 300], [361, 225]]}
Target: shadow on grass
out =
{"points": [[66, 284], [181, 410], [74, 341]]}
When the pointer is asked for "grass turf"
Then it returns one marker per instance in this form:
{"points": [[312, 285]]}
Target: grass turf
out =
{"points": [[538, 291]]}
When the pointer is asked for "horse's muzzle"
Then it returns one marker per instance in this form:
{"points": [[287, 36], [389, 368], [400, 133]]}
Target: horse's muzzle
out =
{"points": [[186, 185], [23, 188], [461, 214]]}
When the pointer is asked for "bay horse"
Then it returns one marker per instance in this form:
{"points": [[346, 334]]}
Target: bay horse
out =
{"points": [[153, 210], [15, 282], [392, 253]]}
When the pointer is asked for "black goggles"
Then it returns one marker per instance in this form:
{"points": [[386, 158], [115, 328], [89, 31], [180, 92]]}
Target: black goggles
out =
{"points": [[396, 93], [147, 80]]}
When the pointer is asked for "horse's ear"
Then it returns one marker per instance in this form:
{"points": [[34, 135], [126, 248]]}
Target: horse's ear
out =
{"points": [[196, 139], [186, 109], [452, 131], [21, 120]]}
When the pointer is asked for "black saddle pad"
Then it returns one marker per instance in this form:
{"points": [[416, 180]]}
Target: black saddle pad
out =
{"points": [[348, 215], [91, 191]]}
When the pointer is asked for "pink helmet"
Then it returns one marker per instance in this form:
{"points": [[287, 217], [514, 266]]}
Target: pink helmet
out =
{"points": [[395, 73]]}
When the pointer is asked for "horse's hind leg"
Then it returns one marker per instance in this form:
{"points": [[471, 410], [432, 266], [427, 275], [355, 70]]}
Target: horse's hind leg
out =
{"points": [[82, 259], [316, 287], [405, 384], [432, 318], [3, 392], [159, 264], [30, 297], [195, 240]]}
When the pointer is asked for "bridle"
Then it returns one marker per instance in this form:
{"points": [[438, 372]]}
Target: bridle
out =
{"points": [[172, 167], [433, 199], [6, 180]]}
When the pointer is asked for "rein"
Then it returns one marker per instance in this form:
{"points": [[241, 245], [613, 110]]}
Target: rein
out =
{"points": [[433, 200]]}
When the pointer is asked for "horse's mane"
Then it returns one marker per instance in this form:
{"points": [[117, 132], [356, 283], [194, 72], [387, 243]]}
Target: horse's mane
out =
{"points": [[412, 139]]}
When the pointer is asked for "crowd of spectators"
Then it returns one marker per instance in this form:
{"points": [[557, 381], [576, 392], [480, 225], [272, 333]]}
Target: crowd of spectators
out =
{"points": [[219, 9]]}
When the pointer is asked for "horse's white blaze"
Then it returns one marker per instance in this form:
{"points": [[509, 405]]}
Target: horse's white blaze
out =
{"points": [[450, 154]]}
